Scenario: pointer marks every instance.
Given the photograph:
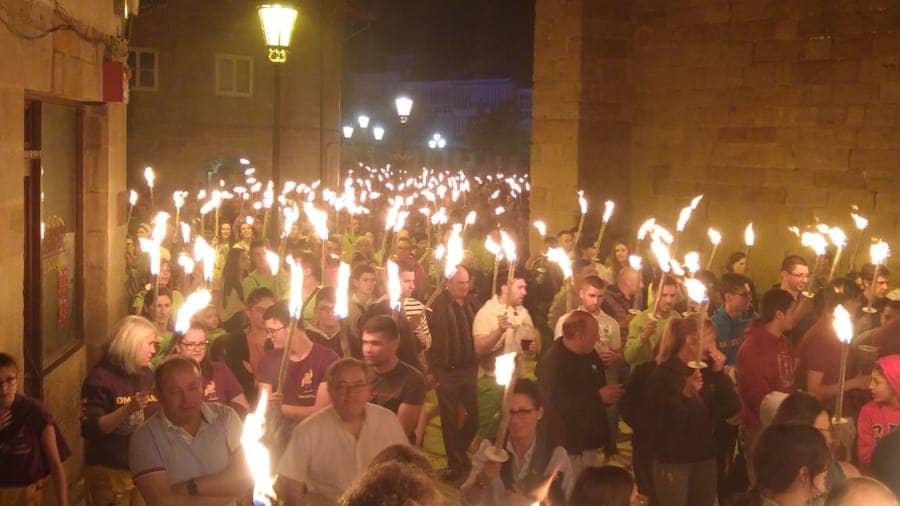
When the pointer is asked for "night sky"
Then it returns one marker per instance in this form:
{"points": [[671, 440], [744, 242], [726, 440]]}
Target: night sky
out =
{"points": [[458, 39]]}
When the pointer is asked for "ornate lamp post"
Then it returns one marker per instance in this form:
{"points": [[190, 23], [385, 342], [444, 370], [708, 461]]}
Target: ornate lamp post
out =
{"points": [[277, 21]]}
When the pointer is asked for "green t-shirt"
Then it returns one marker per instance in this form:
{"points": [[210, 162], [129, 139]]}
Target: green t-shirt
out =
{"points": [[638, 351]]}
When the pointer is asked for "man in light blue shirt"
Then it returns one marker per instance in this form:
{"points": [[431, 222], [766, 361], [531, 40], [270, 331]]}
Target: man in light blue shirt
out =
{"points": [[190, 451]]}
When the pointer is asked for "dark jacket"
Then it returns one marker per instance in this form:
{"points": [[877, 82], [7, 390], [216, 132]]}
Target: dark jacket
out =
{"points": [[452, 343], [106, 389], [686, 427], [408, 351], [570, 384], [636, 407]]}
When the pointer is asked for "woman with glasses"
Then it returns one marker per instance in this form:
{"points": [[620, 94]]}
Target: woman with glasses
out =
{"points": [[535, 471], [219, 383], [801, 408], [31, 445], [116, 397]]}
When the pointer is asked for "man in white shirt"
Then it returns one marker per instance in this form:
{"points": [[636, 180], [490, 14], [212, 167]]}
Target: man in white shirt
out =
{"points": [[502, 321], [609, 347], [332, 448]]}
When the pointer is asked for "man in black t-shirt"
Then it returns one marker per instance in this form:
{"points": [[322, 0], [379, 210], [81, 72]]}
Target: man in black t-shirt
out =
{"points": [[398, 386]]}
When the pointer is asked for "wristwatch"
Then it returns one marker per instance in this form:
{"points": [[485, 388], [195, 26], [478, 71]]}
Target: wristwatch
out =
{"points": [[192, 487]]}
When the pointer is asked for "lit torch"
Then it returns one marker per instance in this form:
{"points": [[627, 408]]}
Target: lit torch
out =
{"points": [[491, 245], [861, 224], [509, 252], [194, 303], [132, 200], [582, 205], [560, 258], [839, 239], [697, 293], [150, 177], [819, 245], [342, 303], [749, 240], [541, 228], [715, 238], [843, 327], [609, 205], [879, 251], [664, 259], [505, 371], [295, 307], [256, 453]]}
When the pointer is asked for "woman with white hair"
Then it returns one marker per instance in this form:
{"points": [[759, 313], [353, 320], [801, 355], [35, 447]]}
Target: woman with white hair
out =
{"points": [[116, 398]]}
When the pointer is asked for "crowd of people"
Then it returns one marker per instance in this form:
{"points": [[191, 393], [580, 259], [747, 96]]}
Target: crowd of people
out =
{"points": [[608, 361]]}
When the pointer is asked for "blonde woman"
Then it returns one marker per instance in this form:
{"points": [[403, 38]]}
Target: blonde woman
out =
{"points": [[115, 400]]}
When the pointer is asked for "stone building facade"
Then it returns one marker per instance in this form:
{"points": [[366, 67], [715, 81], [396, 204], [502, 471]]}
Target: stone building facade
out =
{"points": [[778, 111], [62, 149], [203, 91]]}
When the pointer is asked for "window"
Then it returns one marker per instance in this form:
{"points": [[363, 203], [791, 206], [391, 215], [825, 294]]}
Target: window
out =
{"points": [[53, 241], [144, 65], [234, 75]]}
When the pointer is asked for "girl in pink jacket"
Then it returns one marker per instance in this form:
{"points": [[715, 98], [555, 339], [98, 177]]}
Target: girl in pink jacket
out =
{"points": [[881, 415]]}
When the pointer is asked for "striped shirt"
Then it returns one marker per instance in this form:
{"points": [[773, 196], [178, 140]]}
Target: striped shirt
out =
{"points": [[412, 308]]}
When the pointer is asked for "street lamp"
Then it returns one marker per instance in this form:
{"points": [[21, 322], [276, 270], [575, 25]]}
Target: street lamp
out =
{"points": [[348, 131], [437, 141], [404, 107], [363, 121], [277, 21], [378, 132]]}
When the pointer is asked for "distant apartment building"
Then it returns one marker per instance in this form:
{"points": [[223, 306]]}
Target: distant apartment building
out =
{"points": [[202, 92]]}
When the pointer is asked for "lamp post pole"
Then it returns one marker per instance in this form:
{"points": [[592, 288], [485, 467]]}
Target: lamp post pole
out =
{"points": [[276, 125]]}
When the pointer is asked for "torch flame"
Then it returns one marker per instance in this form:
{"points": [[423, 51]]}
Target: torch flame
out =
{"points": [[295, 302], [394, 288], [560, 258], [186, 263], [683, 218], [662, 255], [794, 230], [843, 326], [132, 197], [541, 227], [504, 367], [582, 202], [178, 197], [645, 228], [454, 252], [470, 218], [509, 247], [256, 453], [879, 251], [837, 236], [635, 262], [341, 305], [692, 261], [318, 219], [675, 268], [185, 232], [151, 247], [291, 214], [149, 176], [491, 245], [194, 303], [714, 236], [860, 222], [273, 260], [608, 210], [160, 226], [205, 253], [499, 210], [696, 201], [696, 290], [816, 241], [749, 236]]}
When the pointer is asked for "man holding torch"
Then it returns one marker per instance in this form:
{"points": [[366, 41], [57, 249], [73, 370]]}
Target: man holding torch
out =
{"points": [[646, 329]]}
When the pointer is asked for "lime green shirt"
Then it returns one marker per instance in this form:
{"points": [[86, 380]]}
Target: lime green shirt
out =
{"points": [[637, 350]]}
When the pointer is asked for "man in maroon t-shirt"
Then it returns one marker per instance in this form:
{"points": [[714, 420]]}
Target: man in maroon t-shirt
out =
{"points": [[304, 392], [765, 363]]}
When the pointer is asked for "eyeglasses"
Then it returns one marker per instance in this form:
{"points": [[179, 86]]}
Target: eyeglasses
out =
{"points": [[195, 346], [521, 412], [9, 382], [350, 386], [272, 332]]}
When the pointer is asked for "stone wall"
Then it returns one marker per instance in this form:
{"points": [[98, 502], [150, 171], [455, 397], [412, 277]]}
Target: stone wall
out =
{"points": [[183, 126], [779, 112], [64, 68]]}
